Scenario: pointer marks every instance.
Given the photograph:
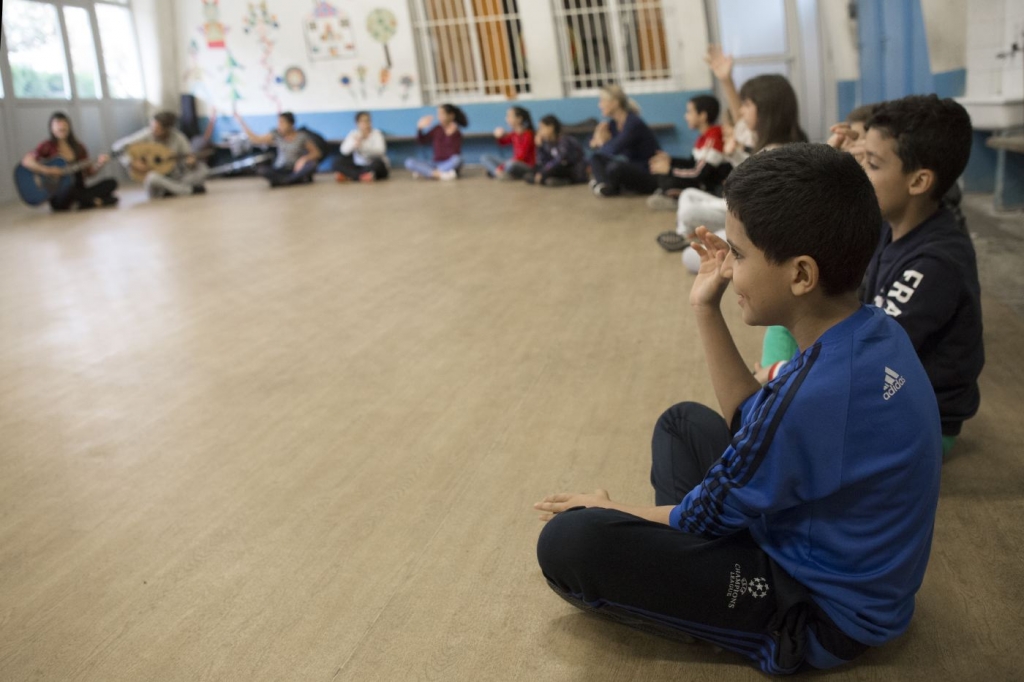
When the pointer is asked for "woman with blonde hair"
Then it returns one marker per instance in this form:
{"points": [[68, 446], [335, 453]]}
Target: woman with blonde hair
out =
{"points": [[623, 145]]}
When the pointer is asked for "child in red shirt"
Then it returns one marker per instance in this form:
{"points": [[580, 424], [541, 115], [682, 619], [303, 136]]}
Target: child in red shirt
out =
{"points": [[705, 170], [524, 148]]}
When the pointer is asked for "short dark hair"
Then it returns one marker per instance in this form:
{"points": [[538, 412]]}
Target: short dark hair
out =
{"points": [[812, 200], [360, 114], [288, 116], [552, 121], [706, 104], [930, 133], [166, 119]]}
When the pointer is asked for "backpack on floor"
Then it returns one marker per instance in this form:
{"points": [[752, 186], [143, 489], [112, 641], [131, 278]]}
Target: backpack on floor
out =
{"points": [[318, 139]]}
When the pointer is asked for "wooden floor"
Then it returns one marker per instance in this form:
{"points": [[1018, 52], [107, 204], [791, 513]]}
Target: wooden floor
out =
{"points": [[296, 434]]}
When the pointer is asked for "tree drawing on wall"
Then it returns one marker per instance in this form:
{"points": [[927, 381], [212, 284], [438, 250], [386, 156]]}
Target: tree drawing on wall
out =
{"points": [[233, 81], [382, 26], [259, 23]]}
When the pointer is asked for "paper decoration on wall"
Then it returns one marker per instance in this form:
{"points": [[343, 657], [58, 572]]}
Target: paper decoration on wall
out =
{"points": [[346, 82], [382, 26], [406, 82], [260, 22], [233, 81], [212, 28], [385, 78], [361, 73], [195, 74], [294, 79], [328, 33]]}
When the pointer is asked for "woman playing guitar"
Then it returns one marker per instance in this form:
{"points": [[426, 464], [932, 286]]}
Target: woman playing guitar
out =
{"points": [[64, 145]]}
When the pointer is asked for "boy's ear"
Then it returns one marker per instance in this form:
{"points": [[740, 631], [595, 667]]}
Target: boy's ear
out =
{"points": [[805, 275], [921, 182]]}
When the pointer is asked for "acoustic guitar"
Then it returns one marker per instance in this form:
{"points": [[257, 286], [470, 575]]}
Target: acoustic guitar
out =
{"points": [[36, 188], [155, 157]]}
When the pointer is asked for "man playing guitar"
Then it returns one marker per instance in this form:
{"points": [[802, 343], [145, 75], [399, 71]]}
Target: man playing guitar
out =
{"points": [[186, 176], [64, 145]]}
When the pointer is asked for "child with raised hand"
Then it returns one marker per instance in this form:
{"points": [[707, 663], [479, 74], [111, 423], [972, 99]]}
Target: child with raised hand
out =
{"points": [[704, 169], [767, 117], [821, 463], [364, 153], [623, 145], [446, 138], [524, 149], [560, 157]]}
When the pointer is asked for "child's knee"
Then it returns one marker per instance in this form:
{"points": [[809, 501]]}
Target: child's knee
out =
{"points": [[569, 540]]}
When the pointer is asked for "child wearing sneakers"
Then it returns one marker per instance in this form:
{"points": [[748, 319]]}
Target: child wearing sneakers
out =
{"points": [[705, 169], [446, 139], [524, 148], [796, 531], [924, 272]]}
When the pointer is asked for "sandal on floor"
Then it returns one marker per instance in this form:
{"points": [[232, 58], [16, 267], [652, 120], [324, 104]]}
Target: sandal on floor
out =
{"points": [[671, 241]]}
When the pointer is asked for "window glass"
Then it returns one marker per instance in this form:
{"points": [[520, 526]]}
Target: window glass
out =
{"points": [[120, 52], [83, 53], [35, 50]]}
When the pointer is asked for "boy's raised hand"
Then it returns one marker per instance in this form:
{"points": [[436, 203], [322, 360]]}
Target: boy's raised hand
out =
{"points": [[712, 277], [720, 63], [499, 132], [424, 122]]}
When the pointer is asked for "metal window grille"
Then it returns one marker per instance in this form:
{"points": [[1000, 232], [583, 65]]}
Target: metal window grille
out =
{"points": [[613, 41], [471, 50]]}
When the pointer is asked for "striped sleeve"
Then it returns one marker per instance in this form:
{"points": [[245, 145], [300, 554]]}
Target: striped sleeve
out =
{"points": [[739, 488]]}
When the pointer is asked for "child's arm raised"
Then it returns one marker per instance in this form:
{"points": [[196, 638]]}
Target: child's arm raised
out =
{"points": [[730, 377], [721, 66]]}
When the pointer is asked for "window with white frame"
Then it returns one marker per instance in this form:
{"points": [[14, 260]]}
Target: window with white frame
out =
{"points": [[53, 53], [471, 49], [613, 41]]}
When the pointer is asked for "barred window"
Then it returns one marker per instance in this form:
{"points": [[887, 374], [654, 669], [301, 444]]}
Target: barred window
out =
{"points": [[471, 49], [613, 41]]}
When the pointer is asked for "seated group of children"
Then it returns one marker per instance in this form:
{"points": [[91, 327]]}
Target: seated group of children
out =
{"points": [[797, 529]]}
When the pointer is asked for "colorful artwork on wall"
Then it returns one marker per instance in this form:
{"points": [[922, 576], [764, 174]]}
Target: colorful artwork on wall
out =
{"points": [[294, 79], [328, 32], [406, 82], [382, 26], [233, 81], [212, 28], [259, 22]]}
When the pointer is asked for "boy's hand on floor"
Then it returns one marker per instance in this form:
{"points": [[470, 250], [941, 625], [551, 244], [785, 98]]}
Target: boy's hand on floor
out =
{"points": [[713, 275], [556, 504], [660, 163]]}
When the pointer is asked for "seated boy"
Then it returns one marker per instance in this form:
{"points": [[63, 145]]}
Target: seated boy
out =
{"points": [[924, 272], [798, 532], [704, 170]]}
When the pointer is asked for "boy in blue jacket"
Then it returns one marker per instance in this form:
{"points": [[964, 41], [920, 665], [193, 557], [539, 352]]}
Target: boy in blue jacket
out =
{"points": [[798, 532]]}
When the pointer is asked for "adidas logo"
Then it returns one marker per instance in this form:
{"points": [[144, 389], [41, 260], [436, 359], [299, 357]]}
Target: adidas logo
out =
{"points": [[893, 383]]}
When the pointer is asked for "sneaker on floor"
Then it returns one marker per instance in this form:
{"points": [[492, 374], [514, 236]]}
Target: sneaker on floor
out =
{"points": [[367, 177], [340, 177], [447, 175], [198, 189], [592, 184], [416, 176], [659, 201], [597, 188]]}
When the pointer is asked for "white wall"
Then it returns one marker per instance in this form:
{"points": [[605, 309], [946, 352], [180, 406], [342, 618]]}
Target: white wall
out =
{"points": [[839, 41], [945, 24], [992, 26], [155, 24]]}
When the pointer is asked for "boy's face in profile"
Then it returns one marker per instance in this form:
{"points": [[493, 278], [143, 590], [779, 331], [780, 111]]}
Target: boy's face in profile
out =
{"points": [[885, 170], [693, 118], [763, 287]]}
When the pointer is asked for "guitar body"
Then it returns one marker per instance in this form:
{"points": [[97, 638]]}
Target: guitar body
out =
{"points": [[35, 189], [155, 156]]}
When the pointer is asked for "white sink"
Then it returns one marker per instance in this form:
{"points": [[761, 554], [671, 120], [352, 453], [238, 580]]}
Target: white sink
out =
{"points": [[994, 113]]}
